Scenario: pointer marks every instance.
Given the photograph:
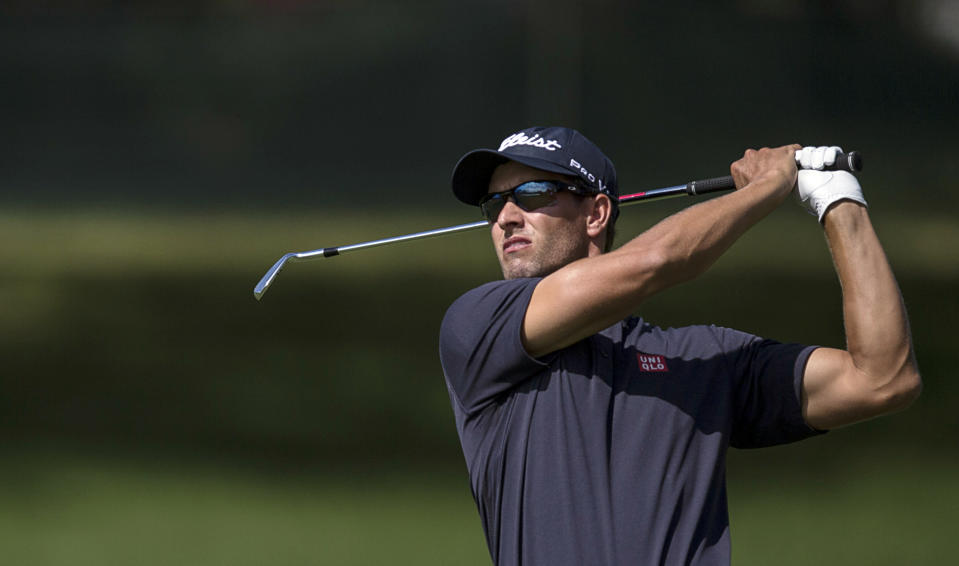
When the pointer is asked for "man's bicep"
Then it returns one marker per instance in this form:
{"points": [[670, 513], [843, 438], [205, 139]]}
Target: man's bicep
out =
{"points": [[832, 392]]}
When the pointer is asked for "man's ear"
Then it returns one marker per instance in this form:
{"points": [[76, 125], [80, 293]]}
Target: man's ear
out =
{"points": [[599, 215]]}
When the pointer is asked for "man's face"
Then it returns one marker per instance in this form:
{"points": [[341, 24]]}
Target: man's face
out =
{"points": [[536, 243]]}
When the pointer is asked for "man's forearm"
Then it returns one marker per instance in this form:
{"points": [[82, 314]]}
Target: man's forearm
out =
{"points": [[877, 329]]}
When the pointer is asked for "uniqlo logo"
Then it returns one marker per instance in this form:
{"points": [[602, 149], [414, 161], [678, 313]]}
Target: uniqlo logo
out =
{"points": [[651, 362]]}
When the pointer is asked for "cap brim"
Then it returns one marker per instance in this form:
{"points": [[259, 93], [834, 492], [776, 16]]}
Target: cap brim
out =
{"points": [[472, 173]]}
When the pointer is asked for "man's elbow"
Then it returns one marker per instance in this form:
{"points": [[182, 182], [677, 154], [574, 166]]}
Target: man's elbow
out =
{"points": [[901, 392], [911, 388]]}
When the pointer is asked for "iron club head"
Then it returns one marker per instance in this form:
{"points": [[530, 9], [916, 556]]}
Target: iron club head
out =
{"points": [[270, 275]]}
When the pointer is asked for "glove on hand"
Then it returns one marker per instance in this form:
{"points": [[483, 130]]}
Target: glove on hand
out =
{"points": [[818, 190]]}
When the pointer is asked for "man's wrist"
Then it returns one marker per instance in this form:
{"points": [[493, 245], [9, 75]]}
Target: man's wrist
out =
{"points": [[844, 212], [775, 185]]}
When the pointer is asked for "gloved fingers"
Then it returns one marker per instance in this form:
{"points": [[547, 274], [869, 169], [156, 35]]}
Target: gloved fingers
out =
{"points": [[812, 157], [829, 154], [807, 156]]}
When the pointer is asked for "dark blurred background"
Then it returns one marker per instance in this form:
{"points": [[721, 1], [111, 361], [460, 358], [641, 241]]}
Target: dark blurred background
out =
{"points": [[280, 102], [157, 157]]}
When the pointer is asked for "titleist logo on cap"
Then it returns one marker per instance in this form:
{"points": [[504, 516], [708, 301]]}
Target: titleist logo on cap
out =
{"points": [[535, 141]]}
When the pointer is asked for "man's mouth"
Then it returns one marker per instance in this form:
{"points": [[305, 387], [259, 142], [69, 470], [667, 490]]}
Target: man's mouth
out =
{"points": [[515, 244]]}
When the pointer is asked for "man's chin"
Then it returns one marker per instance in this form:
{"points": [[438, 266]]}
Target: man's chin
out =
{"points": [[522, 271]]}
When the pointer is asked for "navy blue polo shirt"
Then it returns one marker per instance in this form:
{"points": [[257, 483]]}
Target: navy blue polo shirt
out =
{"points": [[612, 450]]}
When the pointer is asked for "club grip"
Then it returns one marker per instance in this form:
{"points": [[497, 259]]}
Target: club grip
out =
{"points": [[710, 185], [851, 162]]}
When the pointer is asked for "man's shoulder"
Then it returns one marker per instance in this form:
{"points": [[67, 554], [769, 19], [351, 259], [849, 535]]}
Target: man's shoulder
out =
{"points": [[480, 343], [496, 304], [491, 294]]}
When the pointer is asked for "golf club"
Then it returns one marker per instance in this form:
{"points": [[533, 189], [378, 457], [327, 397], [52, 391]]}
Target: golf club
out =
{"points": [[851, 161]]}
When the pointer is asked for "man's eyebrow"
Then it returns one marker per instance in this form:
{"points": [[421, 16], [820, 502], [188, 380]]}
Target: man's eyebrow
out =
{"points": [[500, 188]]}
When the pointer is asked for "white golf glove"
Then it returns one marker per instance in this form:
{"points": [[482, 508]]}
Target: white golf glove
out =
{"points": [[817, 190]]}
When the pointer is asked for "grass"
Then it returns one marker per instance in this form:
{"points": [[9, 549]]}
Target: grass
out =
{"points": [[877, 510], [77, 511]]}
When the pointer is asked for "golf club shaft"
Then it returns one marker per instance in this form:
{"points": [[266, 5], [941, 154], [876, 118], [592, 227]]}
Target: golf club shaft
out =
{"points": [[295, 257], [851, 161]]}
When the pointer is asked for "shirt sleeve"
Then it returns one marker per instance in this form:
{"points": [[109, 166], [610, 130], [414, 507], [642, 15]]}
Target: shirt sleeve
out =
{"points": [[767, 392], [481, 347]]}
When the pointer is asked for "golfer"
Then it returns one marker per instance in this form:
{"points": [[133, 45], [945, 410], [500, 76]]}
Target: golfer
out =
{"points": [[594, 437]]}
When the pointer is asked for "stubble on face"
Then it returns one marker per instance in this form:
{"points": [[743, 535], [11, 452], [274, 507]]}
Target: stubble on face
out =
{"points": [[539, 242]]}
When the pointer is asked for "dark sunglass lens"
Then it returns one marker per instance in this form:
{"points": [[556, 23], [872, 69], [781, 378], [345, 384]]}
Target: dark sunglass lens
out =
{"points": [[492, 207], [535, 195], [528, 196]]}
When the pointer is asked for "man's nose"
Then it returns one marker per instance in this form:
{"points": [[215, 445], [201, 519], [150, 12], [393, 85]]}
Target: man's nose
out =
{"points": [[511, 213]]}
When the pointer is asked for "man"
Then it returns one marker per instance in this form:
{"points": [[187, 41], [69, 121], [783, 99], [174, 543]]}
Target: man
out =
{"points": [[593, 437]]}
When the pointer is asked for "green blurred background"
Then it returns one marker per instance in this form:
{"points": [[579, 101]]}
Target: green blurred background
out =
{"points": [[157, 157]]}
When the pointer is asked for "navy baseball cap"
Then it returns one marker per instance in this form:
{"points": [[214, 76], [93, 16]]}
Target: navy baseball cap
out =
{"points": [[555, 149]]}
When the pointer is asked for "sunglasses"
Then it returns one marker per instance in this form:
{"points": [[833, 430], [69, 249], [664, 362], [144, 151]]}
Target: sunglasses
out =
{"points": [[529, 196]]}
